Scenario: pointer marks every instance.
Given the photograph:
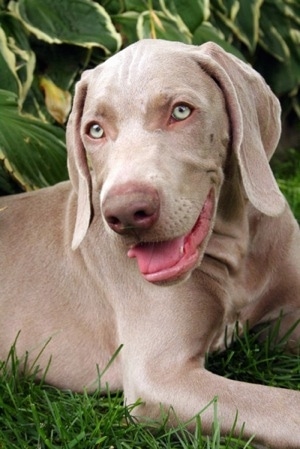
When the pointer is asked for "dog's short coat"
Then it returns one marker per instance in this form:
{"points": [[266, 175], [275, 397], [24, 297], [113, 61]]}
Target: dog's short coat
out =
{"points": [[171, 230]]}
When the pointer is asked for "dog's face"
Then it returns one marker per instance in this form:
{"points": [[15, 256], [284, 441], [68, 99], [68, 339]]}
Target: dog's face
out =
{"points": [[156, 134], [157, 123]]}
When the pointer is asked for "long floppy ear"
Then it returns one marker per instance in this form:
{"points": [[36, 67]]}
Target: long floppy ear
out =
{"points": [[77, 164], [254, 114]]}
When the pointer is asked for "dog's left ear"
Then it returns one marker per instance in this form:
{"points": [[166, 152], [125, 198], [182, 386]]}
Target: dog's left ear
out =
{"points": [[77, 163], [254, 114]]}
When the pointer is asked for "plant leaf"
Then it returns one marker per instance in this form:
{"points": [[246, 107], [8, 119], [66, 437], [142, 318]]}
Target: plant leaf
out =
{"points": [[23, 62], [242, 18], [192, 12], [33, 152], [272, 40], [156, 25], [83, 23], [206, 32], [8, 76], [280, 38]]}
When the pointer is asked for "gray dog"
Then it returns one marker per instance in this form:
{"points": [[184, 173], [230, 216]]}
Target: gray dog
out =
{"points": [[171, 230]]}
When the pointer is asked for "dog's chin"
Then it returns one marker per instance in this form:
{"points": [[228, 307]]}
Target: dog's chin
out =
{"points": [[173, 261]]}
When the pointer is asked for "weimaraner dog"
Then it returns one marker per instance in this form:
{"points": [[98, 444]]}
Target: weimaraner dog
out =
{"points": [[171, 230]]}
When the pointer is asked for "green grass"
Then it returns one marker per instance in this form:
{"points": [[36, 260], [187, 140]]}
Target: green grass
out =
{"points": [[36, 415], [287, 172]]}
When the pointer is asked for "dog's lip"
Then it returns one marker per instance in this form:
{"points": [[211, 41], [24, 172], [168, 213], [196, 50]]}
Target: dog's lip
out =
{"points": [[171, 259]]}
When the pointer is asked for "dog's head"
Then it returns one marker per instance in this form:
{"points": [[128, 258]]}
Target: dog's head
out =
{"points": [[157, 123]]}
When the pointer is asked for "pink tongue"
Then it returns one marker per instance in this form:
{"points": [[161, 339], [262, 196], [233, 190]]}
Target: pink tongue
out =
{"points": [[154, 257]]}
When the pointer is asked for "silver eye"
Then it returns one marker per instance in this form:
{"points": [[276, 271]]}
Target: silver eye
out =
{"points": [[96, 131], [181, 112]]}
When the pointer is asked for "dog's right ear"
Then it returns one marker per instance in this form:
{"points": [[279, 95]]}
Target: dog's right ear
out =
{"points": [[254, 114], [77, 163]]}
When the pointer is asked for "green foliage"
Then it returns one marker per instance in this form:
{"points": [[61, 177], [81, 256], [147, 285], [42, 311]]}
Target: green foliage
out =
{"points": [[34, 150], [287, 172], [46, 44]]}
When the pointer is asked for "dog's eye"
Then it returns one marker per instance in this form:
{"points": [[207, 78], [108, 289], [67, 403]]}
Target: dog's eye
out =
{"points": [[181, 112], [96, 131]]}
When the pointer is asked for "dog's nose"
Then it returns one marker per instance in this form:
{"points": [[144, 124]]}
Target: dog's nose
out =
{"points": [[130, 208]]}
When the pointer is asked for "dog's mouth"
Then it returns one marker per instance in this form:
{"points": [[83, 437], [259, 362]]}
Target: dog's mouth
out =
{"points": [[170, 260]]}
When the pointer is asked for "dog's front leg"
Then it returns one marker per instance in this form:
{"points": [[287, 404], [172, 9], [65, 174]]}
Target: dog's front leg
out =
{"points": [[271, 414], [165, 341]]}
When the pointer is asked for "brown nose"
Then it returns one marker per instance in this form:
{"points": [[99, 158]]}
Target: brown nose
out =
{"points": [[131, 207]]}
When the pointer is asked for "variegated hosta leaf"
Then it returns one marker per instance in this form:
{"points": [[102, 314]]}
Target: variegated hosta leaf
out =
{"points": [[8, 75], [32, 151], [81, 22], [191, 12], [272, 41], [156, 25], [206, 32], [17, 60], [280, 37], [242, 18]]}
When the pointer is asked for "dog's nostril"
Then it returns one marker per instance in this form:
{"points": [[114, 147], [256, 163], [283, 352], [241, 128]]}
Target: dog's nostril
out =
{"points": [[140, 214], [113, 220]]}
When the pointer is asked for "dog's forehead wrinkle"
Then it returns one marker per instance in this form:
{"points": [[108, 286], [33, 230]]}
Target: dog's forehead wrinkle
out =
{"points": [[125, 77], [134, 69]]}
